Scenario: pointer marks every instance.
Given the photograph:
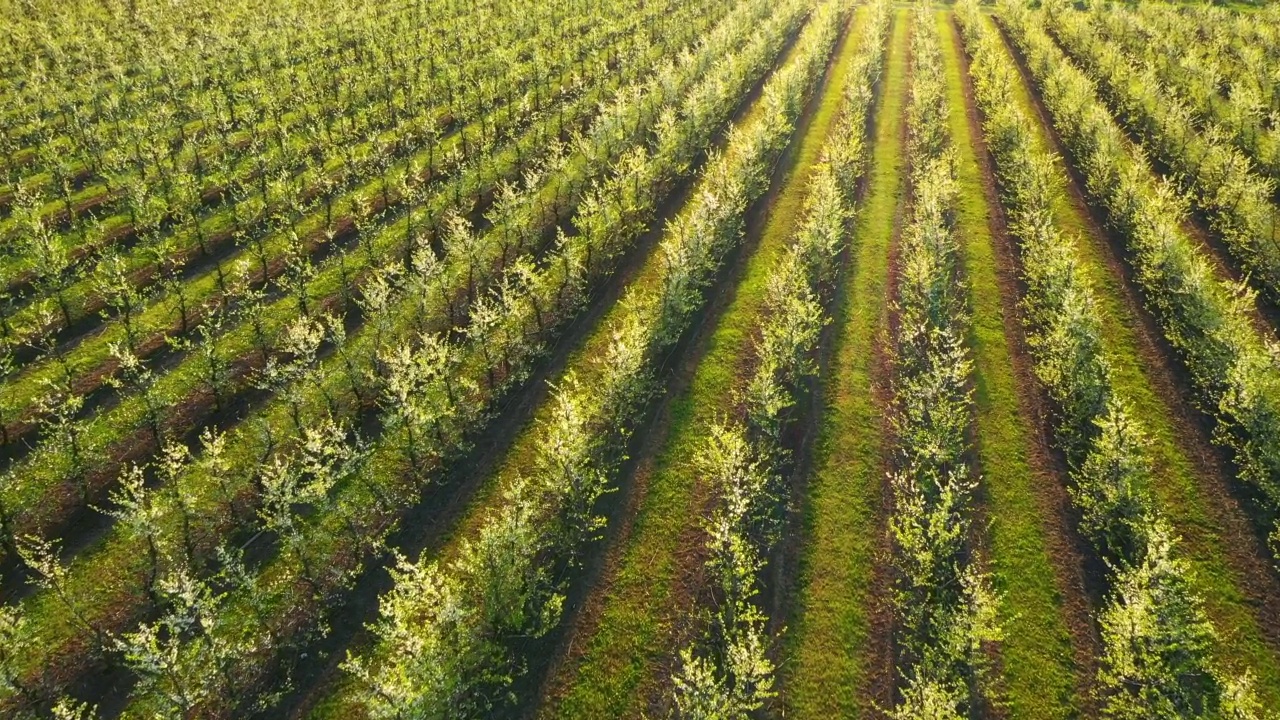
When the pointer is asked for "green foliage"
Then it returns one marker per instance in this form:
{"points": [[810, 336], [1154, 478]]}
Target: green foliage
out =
{"points": [[727, 673], [1157, 640], [389, 242], [1218, 177], [506, 576], [331, 537], [1235, 368], [944, 607]]}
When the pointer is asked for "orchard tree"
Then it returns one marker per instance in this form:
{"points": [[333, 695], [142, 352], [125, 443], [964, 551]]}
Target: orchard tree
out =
{"points": [[184, 659], [71, 709], [138, 379], [15, 643], [47, 257], [121, 296], [49, 574], [294, 370], [59, 410], [421, 394], [134, 505], [215, 369]]}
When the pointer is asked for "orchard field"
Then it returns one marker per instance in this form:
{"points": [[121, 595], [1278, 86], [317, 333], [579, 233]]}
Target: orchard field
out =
{"points": [[596, 359]]}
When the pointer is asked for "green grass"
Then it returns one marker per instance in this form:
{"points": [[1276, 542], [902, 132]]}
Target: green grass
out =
{"points": [[827, 664], [1039, 675], [525, 448], [42, 498], [1193, 513], [641, 605]]}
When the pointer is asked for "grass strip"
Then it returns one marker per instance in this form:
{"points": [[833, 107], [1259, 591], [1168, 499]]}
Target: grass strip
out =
{"points": [[642, 604], [1040, 677], [829, 660]]}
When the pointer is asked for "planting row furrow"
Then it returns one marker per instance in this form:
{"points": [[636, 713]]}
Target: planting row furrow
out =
{"points": [[837, 661]]}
